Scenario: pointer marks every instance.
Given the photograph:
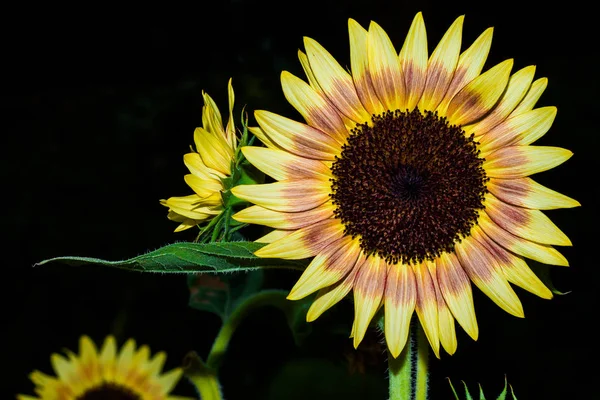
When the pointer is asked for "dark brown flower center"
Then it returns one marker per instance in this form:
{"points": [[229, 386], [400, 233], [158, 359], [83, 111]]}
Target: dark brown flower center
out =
{"points": [[409, 185], [110, 391]]}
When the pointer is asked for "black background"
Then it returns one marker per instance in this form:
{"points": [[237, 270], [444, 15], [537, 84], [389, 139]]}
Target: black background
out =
{"points": [[99, 106]]}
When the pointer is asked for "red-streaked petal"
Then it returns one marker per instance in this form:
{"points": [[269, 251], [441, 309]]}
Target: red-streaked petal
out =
{"points": [[284, 220], [445, 318], [359, 62], [516, 270], [520, 161], [315, 109], [283, 165], [523, 247], [517, 87], [486, 273], [469, 66], [286, 196], [526, 223], [298, 138], [480, 95], [441, 66], [328, 267], [335, 82], [369, 287], [456, 290], [522, 129], [328, 297], [413, 60], [384, 68], [305, 242], [399, 302], [525, 192], [426, 306]]}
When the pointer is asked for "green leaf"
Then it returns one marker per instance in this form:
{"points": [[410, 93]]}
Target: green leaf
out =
{"points": [[186, 257], [220, 294]]}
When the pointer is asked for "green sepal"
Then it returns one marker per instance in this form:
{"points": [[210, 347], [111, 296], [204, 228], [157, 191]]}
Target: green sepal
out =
{"points": [[468, 396], [184, 257]]}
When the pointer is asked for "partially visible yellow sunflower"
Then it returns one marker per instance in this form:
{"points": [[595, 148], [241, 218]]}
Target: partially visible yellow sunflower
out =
{"points": [[209, 165], [408, 181], [126, 375]]}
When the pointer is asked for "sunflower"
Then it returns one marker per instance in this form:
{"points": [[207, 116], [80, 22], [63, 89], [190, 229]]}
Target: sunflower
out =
{"points": [[209, 165], [128, 375], [408, 181]]}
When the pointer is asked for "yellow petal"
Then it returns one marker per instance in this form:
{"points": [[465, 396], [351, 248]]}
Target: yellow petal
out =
{"points": [[328, 267], [305, 242], [297, 138], [312, 80], [532, 96], [522, 129], [399, 302], [204, 187], [230, 129], [194, 163], [286, 196], [328, 297], [445, 318], [523, 222], [525, 192], [359, 62], [283, 165], [335, 82], [479, 96], [108, 359], [520, 161], [455, 287], [168, 381], [470, 64], [486, 273], [284, 220], [315, 109], [368, 292], [214, 150], [516, 270], [441, 66], [124, 362], [517, 87], [526, 248], [384, 68], [413, 60], [426, 306]]}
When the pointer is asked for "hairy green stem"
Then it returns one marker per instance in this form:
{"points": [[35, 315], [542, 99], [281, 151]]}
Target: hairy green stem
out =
{"points": [[408, 373]]}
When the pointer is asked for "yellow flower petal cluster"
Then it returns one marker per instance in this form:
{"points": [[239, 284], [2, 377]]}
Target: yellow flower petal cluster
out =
{"points": [[209, 164], [409, 181], [109, 373]]}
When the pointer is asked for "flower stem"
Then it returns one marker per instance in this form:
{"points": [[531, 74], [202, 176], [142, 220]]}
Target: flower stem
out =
{"points": [[408, 373], [219, 347], [202, 377]]}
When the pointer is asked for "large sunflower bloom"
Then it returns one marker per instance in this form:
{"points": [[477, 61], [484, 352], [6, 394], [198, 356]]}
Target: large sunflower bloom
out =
{"points": [[409, 181], [209, 165], [108, 374]]}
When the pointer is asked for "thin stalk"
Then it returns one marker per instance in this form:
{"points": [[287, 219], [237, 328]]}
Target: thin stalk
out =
{"points": [[409, 372]]}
